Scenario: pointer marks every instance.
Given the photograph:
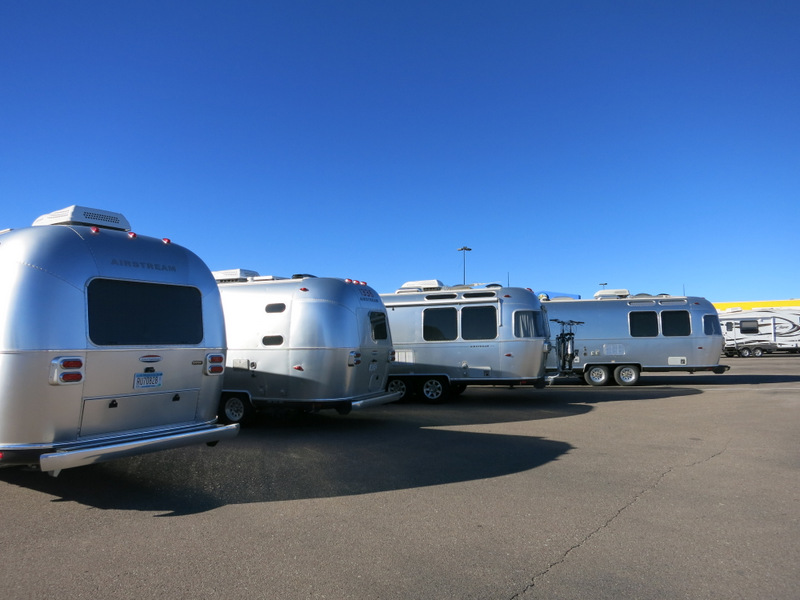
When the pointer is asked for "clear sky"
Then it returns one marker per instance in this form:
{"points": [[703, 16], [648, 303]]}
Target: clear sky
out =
{"points": [[649, 145]]}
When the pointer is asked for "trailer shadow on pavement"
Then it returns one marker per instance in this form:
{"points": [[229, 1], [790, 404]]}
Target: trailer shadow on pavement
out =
{"points": [[304, 456]]}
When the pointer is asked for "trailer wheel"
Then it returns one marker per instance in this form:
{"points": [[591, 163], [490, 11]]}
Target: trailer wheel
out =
{"points": [[434, 390], [626, 375], [758, 352], [744, 352], [597, 375], [399, 385], [235, 409]]}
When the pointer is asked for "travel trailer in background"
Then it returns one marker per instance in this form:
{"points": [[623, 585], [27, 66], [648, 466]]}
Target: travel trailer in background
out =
{"points": [[111, 343], [447, 338], [757, 331], [306, 342], [616, 336]]}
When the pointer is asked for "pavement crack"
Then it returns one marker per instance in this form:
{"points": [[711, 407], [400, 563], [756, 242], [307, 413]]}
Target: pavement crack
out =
{"points": [[638, 496]]}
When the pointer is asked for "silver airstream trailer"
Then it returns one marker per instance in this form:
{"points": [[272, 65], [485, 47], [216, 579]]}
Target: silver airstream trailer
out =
{"points": [[303, 342], [449, 337], [111, 343], [615, 336]]}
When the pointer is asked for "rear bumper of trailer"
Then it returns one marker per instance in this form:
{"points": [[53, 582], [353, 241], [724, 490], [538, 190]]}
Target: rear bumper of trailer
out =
{"points": [[54, 462], [382, 398]]}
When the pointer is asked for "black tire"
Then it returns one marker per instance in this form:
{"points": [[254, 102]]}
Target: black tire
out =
{"points": [[597, 375], [235, 409], [626, 375], [434, 390], [399, 385]]}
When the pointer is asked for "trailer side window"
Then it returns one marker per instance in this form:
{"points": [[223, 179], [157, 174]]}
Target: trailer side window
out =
{"points": [[278, 307], [675, 323], [132, 313], [479, 323], [528, 324], [272, 340], [439, 324], [711, 325], [748, 326], [377, 321], [728, 326], [643, 323]]}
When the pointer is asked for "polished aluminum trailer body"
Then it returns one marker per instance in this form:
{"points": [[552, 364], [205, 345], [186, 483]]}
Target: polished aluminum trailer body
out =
{"points": [[305, 342], [447, 338], [756, 331], [96, 360], [617, 336]]}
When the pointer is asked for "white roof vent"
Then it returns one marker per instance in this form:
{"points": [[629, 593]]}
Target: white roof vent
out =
{"points": [[424, 285], [82, 215], [233, 275], [612, 294]]}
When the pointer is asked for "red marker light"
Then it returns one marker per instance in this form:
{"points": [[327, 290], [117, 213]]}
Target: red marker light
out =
{"points": [[71, 363], [298, 368], [94, 229], [303, 289], [166, 240], [131, 235], [216, 369], [71, 377]]}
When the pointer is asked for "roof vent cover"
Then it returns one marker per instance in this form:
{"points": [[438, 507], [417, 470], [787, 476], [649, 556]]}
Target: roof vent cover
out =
{"points": [[82, 215]]}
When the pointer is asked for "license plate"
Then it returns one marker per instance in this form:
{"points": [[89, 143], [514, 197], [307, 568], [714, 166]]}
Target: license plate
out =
{"points": [[147, 380]]}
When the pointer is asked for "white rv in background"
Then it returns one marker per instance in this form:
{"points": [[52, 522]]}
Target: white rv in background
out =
{"points": [[449, 337], [111, 343], [306, 342], [758, 331], [616, 336]]}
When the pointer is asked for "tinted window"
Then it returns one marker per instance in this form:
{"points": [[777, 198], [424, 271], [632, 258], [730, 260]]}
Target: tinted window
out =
{"points": [[439, 324], [131, 313], [675, 322], [711, 325], [276, 308], [643, 324], [749, 326], [377, 321], [479, 323]]}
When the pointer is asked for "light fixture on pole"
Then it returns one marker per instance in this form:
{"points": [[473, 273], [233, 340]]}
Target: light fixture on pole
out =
{"points": [[464, 249]]}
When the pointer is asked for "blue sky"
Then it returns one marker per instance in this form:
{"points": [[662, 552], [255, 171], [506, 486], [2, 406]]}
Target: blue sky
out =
{"points": [[648, 145]]}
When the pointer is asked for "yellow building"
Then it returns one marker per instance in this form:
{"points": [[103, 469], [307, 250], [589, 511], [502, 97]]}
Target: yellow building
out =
{"points": [[794, 302]]}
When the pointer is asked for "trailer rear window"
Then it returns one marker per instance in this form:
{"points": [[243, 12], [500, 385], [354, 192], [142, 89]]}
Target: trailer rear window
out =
{"points": [[377, 321], [131, 313], [479, 323], [675, 323], [529, 324], [711, 325], [439, 324]]}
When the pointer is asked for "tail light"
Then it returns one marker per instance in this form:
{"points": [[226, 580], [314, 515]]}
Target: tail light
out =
{"points": [[215, 364], [65, 370]]}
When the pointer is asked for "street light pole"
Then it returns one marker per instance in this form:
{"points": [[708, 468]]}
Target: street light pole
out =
{"points": [[464, 250]]}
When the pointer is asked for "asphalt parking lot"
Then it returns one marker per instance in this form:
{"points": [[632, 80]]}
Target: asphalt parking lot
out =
{"points": [[686, 486]]}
